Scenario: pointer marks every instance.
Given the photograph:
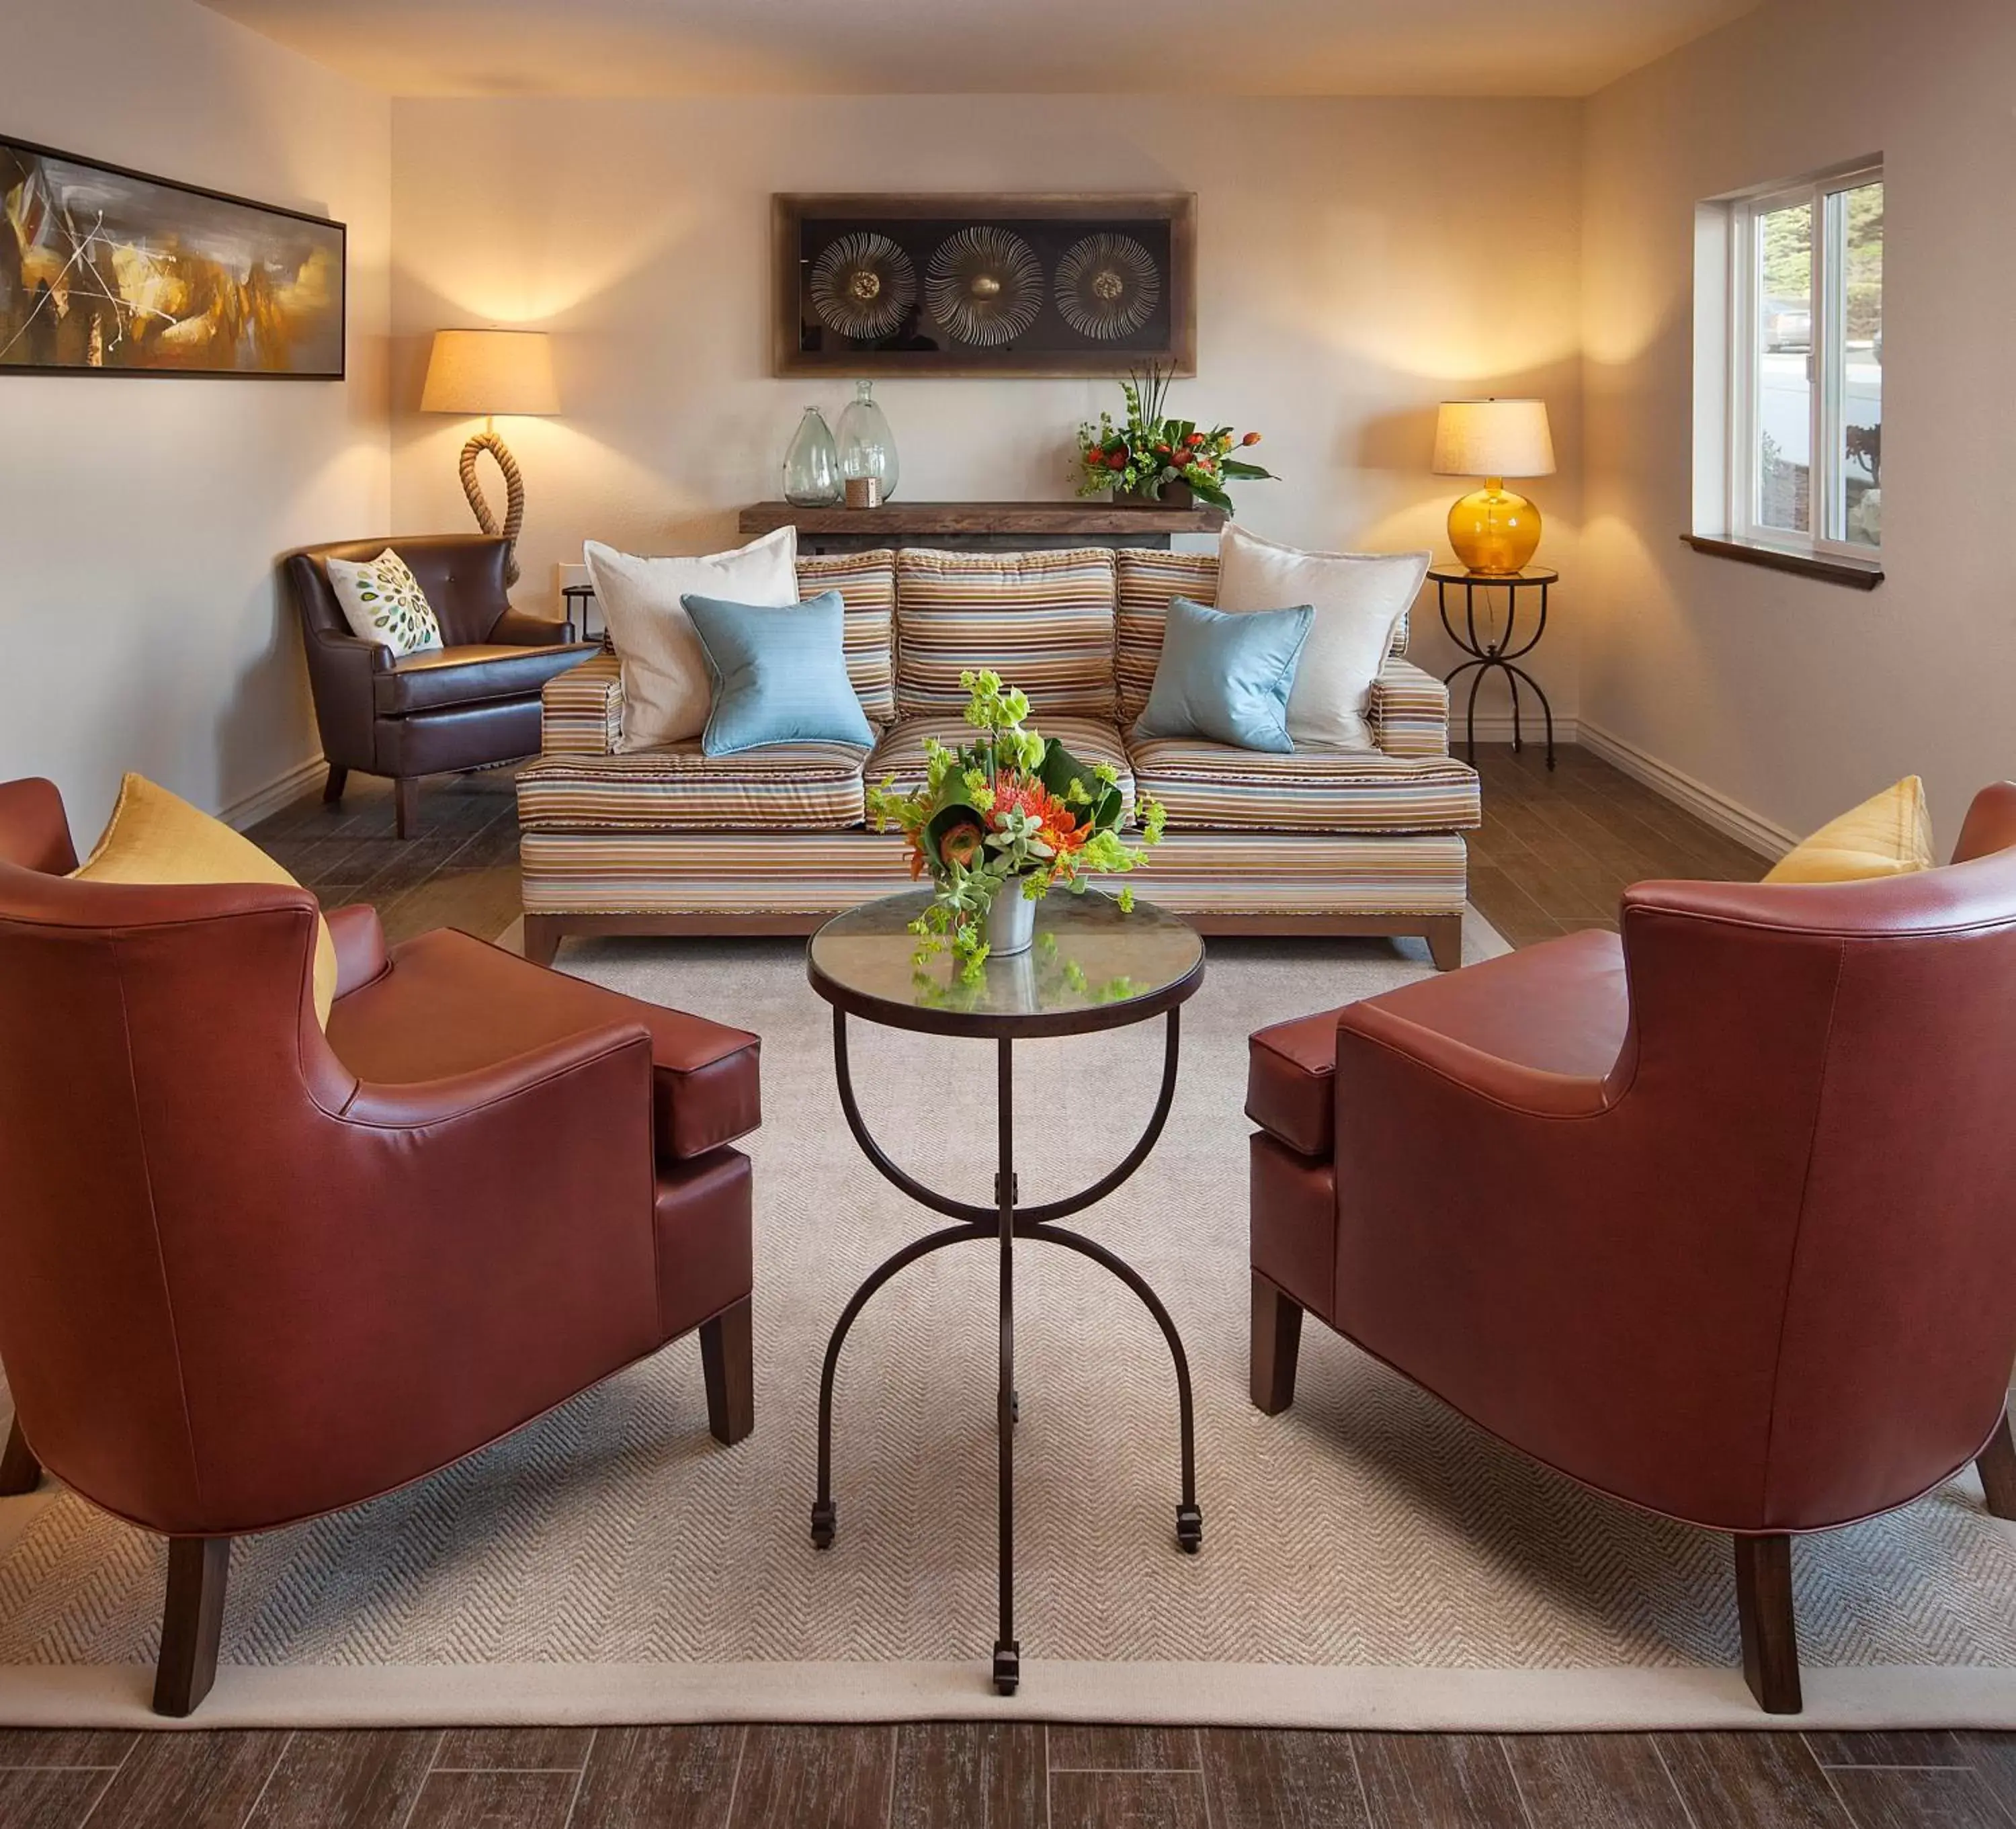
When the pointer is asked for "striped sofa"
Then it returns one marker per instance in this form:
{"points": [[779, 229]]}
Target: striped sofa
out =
{"points": [[669, 841]]}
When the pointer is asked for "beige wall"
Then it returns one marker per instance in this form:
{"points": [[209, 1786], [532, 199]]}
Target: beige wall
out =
{"points": [[1359, 260], [1791, 697], [140, 516]]}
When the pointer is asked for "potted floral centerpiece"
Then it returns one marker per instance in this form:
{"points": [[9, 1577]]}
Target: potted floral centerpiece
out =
{"points": [[1150, 457], [1000, 822]]}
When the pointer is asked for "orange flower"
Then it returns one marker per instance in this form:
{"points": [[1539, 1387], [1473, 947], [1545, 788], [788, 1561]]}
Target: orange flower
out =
{"points": [[1251, 438], [1056, 823]]}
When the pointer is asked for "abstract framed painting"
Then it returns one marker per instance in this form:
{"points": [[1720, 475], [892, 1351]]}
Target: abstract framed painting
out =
{"points": [[108, 271], [963, 284]]}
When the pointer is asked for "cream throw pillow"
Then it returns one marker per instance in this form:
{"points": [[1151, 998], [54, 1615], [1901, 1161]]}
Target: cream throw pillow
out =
{"points": [[1359, 598], [666, 693], [153, 837], [383, 602], [1890, 835]]}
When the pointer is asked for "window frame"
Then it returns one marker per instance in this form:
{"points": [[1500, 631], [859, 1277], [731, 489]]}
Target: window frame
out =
{"points": [[1732, 417]]}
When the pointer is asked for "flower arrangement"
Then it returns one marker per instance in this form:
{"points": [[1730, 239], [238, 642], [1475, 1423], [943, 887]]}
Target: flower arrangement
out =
{"points": [[1012, 813], [1150, 451]]}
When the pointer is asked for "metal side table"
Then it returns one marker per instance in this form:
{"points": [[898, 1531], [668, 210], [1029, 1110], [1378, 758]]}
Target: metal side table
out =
{"points": [[1495, 649], [1092, 968]]}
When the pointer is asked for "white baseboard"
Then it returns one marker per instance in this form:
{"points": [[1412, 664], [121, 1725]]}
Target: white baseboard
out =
{"points": [[1752, 829], [1496, 727], [275, 794]]}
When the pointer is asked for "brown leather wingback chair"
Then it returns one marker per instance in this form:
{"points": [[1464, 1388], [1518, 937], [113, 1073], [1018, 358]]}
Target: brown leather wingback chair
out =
{"points": [[1718, 1217], [251, 1273], [473, 702]]}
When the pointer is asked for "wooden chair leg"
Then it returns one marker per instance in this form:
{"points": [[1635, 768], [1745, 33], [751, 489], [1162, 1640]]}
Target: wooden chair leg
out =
{"points": [[1770, 1634], [332, 789], [192, 1623], [1445, 934], [1996, 1465], [20, 1471], [542, 937], [406, 805], [1277, 1339], [728, 1362]]}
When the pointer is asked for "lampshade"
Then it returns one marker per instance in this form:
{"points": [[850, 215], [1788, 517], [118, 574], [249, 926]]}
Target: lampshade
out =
{"points": [[491, 372], [1493, 438]]}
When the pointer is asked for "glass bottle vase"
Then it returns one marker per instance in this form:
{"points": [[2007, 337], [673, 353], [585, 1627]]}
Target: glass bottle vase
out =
{"points": [[867, 446], [812, 466]]}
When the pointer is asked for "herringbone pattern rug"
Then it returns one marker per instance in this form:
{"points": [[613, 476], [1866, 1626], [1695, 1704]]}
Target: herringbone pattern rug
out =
{"points": [[1368, 1528]]}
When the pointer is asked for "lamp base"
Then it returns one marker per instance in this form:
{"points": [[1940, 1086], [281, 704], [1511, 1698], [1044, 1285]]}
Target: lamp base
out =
{"points": [[514, 495], [1494, 531]]}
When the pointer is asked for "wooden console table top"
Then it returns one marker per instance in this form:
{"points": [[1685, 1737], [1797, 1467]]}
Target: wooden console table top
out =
{"points": [[900, 520]]}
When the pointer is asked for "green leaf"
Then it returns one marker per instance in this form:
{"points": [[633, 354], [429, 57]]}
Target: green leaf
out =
{"points": [[1060, 768], [1234, 466], [1211, 493]]}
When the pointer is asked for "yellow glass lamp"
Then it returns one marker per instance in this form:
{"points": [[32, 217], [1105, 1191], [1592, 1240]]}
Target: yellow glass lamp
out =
{"points": [[493, 373], [1494, 530]]}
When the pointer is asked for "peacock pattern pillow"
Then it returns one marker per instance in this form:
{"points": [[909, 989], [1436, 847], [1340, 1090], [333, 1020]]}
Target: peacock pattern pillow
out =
{"points": [[382, 602]]}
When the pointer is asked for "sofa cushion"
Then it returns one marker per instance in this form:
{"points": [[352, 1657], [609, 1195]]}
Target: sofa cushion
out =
{"points": [[1144, 582], [901, 754], [450, 1005], [1043, 621], [866, 582], [436, 677], [1210, 785], [787, 785]]}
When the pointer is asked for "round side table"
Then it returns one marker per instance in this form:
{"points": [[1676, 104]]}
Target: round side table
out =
{"points": [[1499, 649], [1092, 968]]}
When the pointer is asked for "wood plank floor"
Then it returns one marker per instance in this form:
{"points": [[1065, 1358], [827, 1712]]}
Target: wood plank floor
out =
{"points": [[1554, 853]]}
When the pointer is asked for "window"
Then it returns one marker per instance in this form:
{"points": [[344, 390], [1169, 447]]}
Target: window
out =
{"points": [[1790, 445]]}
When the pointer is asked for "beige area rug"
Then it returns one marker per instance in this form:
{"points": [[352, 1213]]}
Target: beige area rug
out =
{"points": [[1369, 1558]]}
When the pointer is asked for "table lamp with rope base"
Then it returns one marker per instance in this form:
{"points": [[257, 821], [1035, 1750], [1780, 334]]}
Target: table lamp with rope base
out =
{"points": [[493, 373]]}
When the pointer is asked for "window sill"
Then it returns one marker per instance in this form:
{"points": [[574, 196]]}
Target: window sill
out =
{"points": [[1856, 576]]}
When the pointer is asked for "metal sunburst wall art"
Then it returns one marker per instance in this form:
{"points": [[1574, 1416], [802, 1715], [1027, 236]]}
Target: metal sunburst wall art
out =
{"points": [[984, 286], [1108, 286], [863, 286], [1083, 285]]}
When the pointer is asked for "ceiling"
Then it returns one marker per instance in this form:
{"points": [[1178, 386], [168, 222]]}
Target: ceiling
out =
{"points": [[1258, 47]]}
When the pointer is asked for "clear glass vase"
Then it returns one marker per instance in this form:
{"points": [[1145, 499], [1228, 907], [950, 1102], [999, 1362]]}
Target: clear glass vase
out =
{"points": [[867, 446], [812, 466]]}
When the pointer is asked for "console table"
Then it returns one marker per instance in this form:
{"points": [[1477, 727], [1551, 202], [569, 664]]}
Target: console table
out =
{"points": [[980, 527]]}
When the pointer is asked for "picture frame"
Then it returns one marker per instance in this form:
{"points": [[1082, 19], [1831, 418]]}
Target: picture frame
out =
{"points": [[106, 270], [983, 284]]}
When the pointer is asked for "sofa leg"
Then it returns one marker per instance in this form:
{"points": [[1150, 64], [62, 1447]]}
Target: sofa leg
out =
{"points": [[728, 1362], [1277, 1337], [192, 1624], [1996, 1465], [332, 789], [19, 1468], [406, 805], [1445, 937], [542, 937], [1770, 1634]]}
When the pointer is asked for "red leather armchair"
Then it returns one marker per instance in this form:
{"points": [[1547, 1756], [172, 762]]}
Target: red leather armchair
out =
{"points": [[251, 1273], [473, 702], [1718, 1217]]}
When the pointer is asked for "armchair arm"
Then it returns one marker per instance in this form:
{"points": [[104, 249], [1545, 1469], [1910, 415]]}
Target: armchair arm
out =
{"points": [[360, 946], [1409, 710], [341, 668], [582, 710], [524, 629]]}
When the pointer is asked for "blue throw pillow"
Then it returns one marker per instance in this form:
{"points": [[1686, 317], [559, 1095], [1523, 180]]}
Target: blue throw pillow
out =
{"points": [[779, 674], [1225, 676]]}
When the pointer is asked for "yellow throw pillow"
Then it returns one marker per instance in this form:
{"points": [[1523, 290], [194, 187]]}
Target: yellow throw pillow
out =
{"points": [[154, 837], [1889, 836]]}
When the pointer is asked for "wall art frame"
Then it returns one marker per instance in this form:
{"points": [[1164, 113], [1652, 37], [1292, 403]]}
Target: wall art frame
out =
{"points": [[105, 270], [983, 284]]}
